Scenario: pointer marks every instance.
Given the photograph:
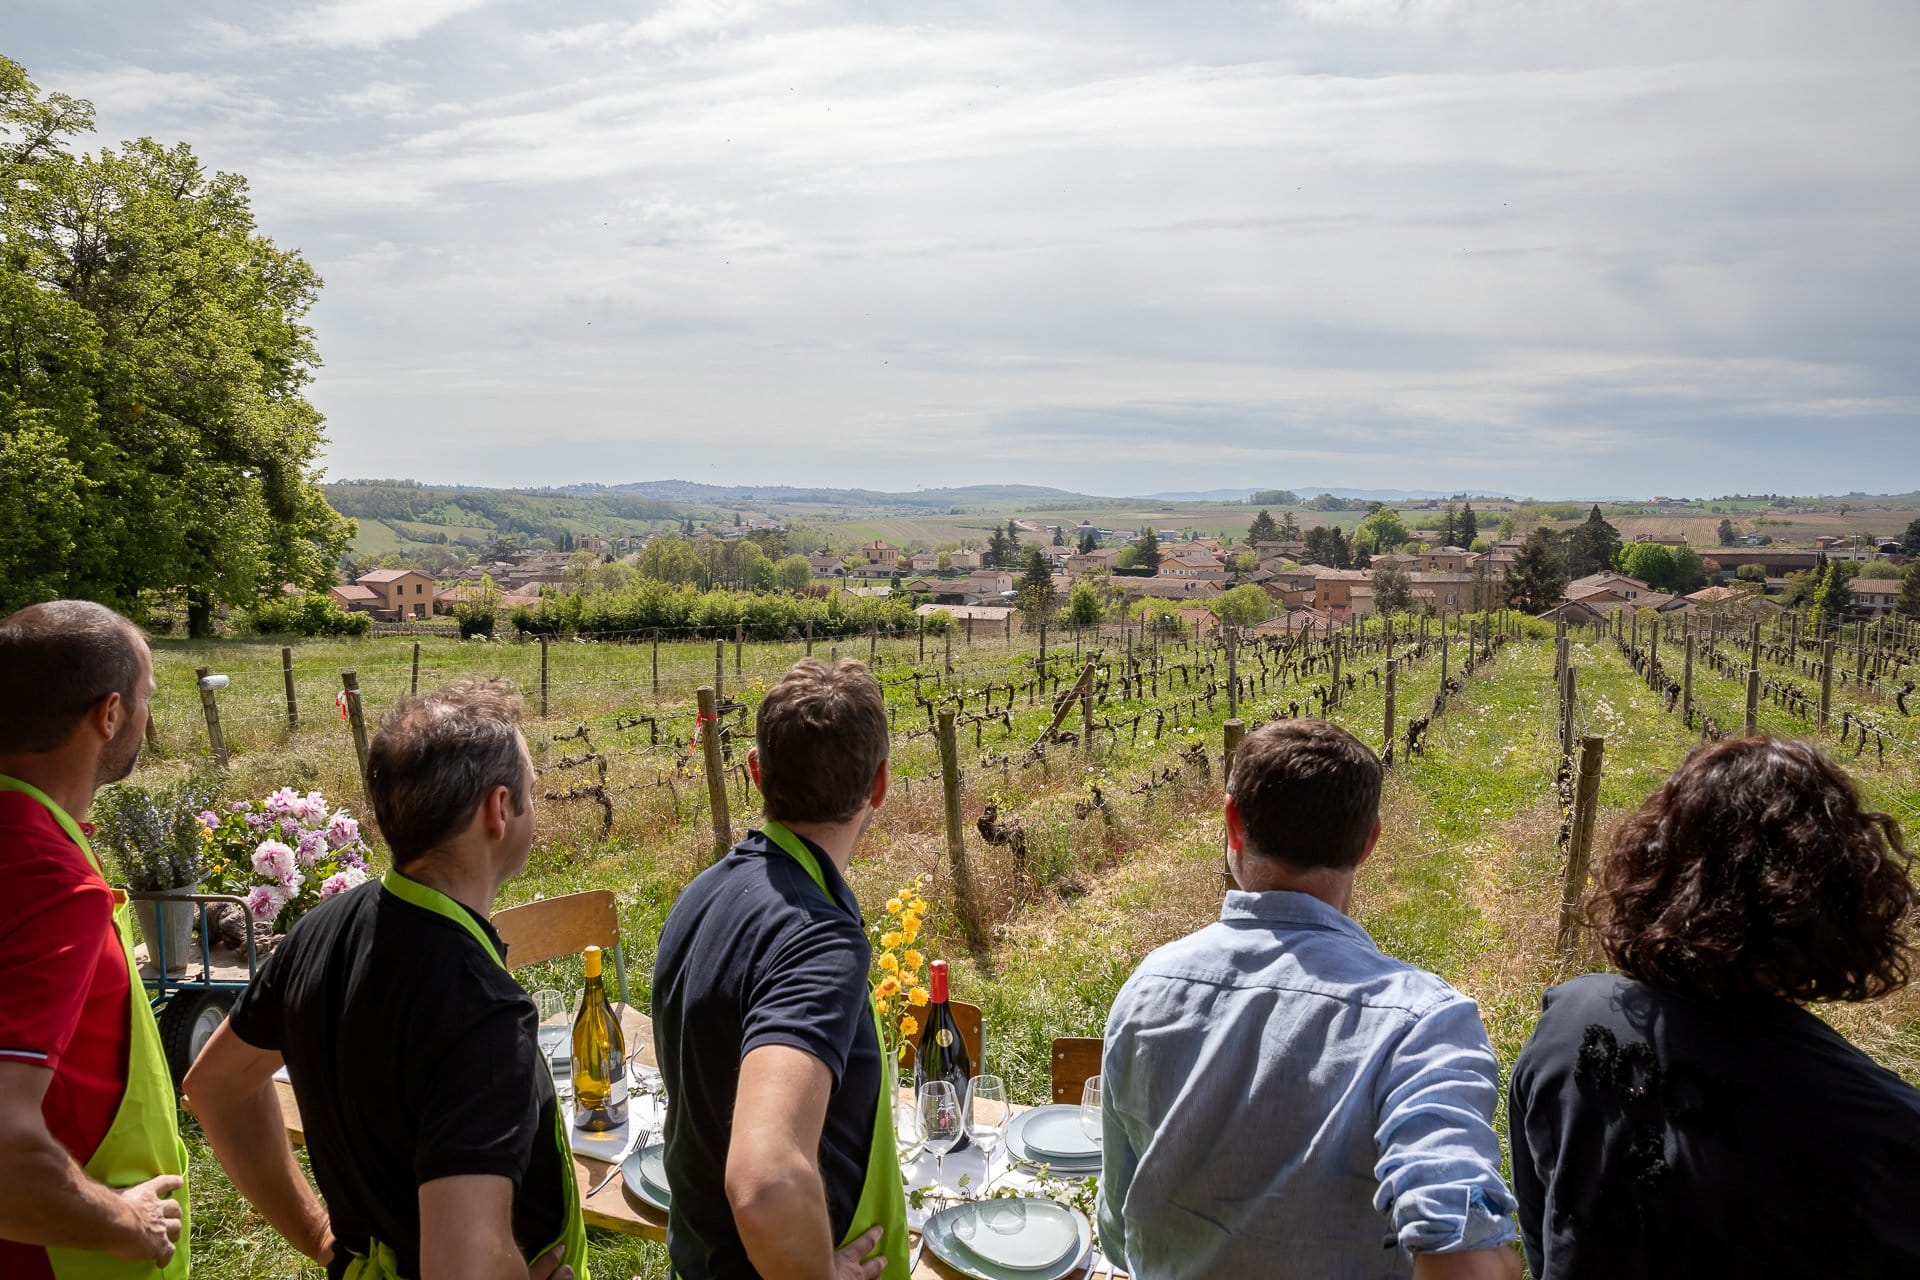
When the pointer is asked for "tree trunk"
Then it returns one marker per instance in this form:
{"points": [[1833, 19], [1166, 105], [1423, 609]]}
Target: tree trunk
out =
{"points": [[199, 616]]}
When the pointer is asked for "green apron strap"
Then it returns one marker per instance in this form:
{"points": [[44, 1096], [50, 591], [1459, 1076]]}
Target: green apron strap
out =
{"points": [[883, 1198], [380, 1264], [143, 1141]]}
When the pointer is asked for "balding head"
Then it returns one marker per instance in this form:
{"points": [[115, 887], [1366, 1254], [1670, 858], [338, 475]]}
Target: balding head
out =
{"points": [[58, 661]]}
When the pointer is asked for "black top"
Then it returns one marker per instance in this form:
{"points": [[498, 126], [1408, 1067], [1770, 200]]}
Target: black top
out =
{"points": [[754, 954], [1657, 1134], [413, 1057]]}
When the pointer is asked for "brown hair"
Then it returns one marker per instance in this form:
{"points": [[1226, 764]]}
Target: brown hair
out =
{"points": [[57, 661], [822, 736], [1755, 870], [1308, 792], [438, 755]]}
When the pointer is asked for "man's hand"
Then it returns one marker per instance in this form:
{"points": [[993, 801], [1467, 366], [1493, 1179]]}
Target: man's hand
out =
{"points": [[154, 1219], [848, 1264], [549, 1267]]}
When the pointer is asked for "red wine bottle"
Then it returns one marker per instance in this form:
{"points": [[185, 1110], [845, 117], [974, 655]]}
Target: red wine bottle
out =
{"points": [[942, 1054]]}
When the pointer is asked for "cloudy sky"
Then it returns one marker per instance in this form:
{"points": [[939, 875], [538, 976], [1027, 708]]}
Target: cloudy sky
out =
{"points": [[1558, 247]]}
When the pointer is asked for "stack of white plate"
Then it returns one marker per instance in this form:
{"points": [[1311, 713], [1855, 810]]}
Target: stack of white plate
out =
{"points": [[1052, 1136], [645, 1174], [1009, 1239]]}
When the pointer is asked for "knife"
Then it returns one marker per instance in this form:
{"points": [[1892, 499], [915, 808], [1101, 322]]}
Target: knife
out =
{"points": [[913, 1259]]}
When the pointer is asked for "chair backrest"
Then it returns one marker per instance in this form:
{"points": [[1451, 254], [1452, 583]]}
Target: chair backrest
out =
{"points": [[555, 927], [973, 1034], [1074, 1059]]}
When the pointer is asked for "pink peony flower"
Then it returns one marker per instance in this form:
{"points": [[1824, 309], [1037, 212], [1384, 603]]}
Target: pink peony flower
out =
{"points": [[311, 808], [274, 860], [341, 881], [264, 902], [354, 857], [342, 829], [282, 802], [312, 846]]}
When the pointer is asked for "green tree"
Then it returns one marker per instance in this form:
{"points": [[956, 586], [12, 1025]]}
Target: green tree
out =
{"points": [[1035, 592], [1689, 571], [1592, 546], [1089, 541], [154, 364], [1754, 573], [1538, 575], [995, 555], [672, 560], [1383, 530], [792, 574], [1728, 537], [1289, 527], [1392, 590], [1059, 536], [1242, 607], [1651, 562], [1469, 525], [1449, 525], [1013, 545], [1819, 613], [1084, 607], [1908, 601], [1263, 529], [1147, 550]]}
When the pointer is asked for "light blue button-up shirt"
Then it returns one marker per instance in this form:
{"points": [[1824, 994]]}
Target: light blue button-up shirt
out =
{"points": [[1283, 1100]]}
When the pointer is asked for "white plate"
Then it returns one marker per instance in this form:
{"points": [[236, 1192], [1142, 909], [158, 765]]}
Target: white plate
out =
{"points": [[635, 1179], [1055, 1133], [1020, 1235], [949, 1249]]}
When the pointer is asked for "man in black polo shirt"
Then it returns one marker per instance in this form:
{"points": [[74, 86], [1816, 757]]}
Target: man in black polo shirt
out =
{"points": [[428, 1112], [779, 1138]]}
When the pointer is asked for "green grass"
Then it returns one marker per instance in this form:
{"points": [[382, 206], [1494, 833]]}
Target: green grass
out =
{"points": [[1466, 880]]}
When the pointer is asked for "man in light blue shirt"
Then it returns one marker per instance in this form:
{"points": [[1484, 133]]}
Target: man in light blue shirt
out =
{"points": [[1280, 1098]]}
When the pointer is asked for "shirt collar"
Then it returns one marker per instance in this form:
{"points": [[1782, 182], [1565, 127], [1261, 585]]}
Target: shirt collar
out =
{"points": [[1284, 907], [757, 841]]}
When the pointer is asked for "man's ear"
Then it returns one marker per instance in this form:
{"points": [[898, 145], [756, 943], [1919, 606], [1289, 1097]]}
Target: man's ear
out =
{"points": [[1236, 826], [881, 780], [108, 715], [1372, 839], [753, 768]]}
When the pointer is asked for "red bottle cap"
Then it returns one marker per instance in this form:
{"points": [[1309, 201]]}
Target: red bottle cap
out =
{"points": [[937, 981]]}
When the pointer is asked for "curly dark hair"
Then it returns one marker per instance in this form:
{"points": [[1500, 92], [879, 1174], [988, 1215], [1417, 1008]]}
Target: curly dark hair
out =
{"points": [[1756, 870]]}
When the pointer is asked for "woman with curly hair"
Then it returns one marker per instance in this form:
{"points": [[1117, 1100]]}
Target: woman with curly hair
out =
{"points": [[1688, 1116]]}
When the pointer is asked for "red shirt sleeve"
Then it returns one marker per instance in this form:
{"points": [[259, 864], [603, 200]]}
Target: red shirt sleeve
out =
{"points": [[51, 921]]}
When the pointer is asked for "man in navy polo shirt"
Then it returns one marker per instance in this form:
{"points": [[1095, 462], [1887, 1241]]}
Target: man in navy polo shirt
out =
{"points": [[780, 1138]]}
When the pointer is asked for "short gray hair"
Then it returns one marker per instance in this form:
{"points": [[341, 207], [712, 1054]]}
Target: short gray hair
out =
{"points": [[436, 756]]}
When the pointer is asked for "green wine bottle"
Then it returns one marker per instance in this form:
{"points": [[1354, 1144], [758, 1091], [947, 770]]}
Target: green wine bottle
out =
{"points": [[599, 1056]]}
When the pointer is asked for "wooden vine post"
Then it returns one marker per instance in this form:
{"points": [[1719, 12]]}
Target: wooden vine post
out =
{"points": [[963, 899], [1586, 805], [1393, 672], [656, 664], [211, 710], [739, 643], [543, 677], [1753, 700], [357, 718], [1233, 673], [413, 689], [286, 673], [1569, 688], [709, 729], [1686, 685], [719, 671], [1826, 681]]}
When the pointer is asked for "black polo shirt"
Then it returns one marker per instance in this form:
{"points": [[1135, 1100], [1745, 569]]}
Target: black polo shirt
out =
{"points": [[754, 954], [413, 1057]]}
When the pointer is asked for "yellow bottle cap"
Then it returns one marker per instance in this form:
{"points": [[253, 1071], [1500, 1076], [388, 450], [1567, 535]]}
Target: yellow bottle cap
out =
{"points": [[592, 957]]}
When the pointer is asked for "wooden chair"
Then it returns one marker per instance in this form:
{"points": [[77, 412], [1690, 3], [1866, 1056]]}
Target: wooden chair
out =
{"points": [[973, 1034], [555, 927], [1074, 1059]]}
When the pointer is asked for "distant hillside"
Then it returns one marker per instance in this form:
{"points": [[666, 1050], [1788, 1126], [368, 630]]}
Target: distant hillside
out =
{"points": [[401, 517], [764, 496], [1311, 491]]}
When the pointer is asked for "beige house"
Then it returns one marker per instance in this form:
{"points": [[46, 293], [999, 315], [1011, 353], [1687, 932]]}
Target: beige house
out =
{"points": [[924, 562], [884, 554], [1196, 566], [399, 593], [963, 561], [1333, 589], [1099, 560], [1874, 597], [1617, 584], [1447, 560]]}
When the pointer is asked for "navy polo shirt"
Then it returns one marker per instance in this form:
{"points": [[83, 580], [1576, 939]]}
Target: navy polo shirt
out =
{"points": [[754, 954]]}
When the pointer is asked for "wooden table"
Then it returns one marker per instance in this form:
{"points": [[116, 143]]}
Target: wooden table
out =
{"points": [[613, 1208]]}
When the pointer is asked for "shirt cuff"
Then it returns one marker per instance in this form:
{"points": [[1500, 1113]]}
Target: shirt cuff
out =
{"points": [[1453, 1219]]}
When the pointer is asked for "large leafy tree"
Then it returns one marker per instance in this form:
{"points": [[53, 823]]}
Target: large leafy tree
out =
{"points": [[1392, 590], [154, 432], [1244, 606], [1538, 574], [1908, 601], [1035, 592], [1147, 550], [1469, 525], [1263, 529], [1592, 546]]}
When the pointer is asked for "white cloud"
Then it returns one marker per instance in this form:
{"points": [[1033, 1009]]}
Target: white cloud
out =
{"points": [[354, 24]]}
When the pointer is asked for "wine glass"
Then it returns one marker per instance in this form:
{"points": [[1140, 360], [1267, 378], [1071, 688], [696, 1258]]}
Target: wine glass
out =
{"points": [[987, 1120], [555, 1034], [941, 1121], [1090, 1120]]}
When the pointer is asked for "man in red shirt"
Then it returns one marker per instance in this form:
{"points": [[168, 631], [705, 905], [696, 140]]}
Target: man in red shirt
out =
{"points": [[75, 680]]}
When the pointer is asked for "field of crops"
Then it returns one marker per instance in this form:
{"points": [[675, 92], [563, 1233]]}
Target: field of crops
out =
{"points": [[1104, 844]]}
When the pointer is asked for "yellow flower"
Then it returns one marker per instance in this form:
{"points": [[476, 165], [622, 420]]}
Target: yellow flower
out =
{"points": [[908, 978], [910, 922], [917, 997], [918, 906], [893, 906], [881, 1005], [913, 959], [891, 938], [887, 987], [909, 1025], [889, 962]]}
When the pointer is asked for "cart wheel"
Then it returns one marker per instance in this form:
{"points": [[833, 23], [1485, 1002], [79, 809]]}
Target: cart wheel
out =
{"points": [[187, 1023]]}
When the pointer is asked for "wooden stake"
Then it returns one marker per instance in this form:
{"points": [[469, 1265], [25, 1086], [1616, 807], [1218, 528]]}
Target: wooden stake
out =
{"points": [[1393, 673], [656, 664], [413, 689], [709, 729], [967, 908], [1686, 684], [211, 710], [286, 674], [1826, 681], [356, 717], [1753, 700], [1586, 805], [719, 671]]}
